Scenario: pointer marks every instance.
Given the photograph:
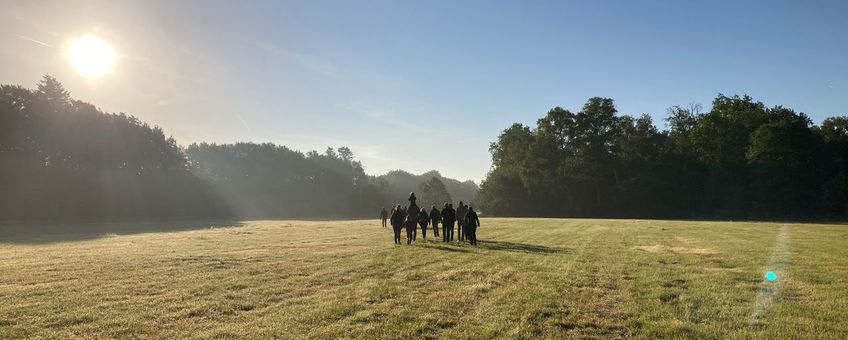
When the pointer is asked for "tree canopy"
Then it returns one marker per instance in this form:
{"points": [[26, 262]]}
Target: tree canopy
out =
{"points": [[267, 180], [433, 193], [61, 158], [739, 160], [64, 159]]}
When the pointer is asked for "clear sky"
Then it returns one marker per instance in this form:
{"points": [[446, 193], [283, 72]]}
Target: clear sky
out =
{"points": [[420, 85]]}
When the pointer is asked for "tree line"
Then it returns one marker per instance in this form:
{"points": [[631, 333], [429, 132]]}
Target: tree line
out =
{"points": [[741, 160], [64, 159], [267, 180]]}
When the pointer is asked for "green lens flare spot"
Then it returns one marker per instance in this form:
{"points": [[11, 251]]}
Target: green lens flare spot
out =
{"points": [[771, 276]]}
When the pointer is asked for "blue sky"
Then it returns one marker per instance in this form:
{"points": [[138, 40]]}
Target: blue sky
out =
{"points": [[420, 85]]}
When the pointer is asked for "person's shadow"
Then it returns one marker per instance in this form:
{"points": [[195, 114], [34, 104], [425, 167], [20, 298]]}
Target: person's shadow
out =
{"points": [[521, 247], [499, 246]]}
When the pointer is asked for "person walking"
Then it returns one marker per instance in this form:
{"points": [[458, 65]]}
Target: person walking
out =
{"points": [[471, 223], [435, 218], [384, 215], [461, 210], [448, 219], [410, 229], [397, 223], [412, 213], [423, 221]]}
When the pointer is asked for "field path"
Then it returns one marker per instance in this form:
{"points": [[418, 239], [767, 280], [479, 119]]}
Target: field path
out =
{"points": [[778, 264]]}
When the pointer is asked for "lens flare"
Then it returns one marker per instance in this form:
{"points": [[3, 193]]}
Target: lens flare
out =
{"points": [[771, 276]]}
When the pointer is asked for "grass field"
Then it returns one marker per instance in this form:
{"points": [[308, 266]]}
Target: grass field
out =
{"points": [[554, 278]]}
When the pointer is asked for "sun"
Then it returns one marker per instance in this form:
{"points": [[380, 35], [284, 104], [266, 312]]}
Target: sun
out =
{"points": [[91, 56]]}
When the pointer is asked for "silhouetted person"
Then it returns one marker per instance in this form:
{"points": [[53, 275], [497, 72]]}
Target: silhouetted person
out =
{"points": [[423, 221], [448, 219], [410, 229], [461, 210], [397, 223], [412, 212], [471, 223], [384, 215], [435, 218], [411, 198]]}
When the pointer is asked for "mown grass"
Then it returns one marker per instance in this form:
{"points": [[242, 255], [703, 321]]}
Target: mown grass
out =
{"points": [[555, 278]]}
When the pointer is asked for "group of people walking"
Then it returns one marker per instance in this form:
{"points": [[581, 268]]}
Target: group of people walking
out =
{"points": [[412, 217]]}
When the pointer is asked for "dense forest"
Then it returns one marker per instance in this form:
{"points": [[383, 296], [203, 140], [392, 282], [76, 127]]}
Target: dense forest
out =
{"points": [[266, 180], [63, 159], [740, 160]]}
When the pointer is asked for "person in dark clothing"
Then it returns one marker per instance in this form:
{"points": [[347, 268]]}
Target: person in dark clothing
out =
{"points": [[423, 221], [444, 223], [448, 219], [435, 218], [461, 210], [411, 198], [410, 229], [397, 223], [384, 215], [412, 212], [471, 223]]}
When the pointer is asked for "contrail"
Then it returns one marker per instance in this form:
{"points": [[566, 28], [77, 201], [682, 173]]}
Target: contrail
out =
{"points": [[243, 123], [35, 41], [769, 289]]}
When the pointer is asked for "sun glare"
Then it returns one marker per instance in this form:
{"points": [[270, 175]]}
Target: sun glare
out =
{"points": [[91, 56]]}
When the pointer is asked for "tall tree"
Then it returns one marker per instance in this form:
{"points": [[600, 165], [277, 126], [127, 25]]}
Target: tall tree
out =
{"points": [[784, 155], [433, 192]]}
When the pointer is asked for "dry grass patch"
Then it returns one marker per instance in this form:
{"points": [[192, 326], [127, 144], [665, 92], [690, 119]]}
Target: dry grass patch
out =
{"points": [[529, 278]]}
